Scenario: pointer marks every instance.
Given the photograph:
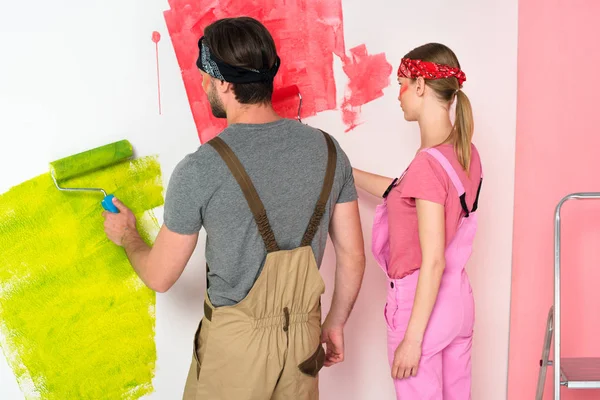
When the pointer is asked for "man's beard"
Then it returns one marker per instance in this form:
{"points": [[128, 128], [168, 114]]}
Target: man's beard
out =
{"points": [[216, 106]]}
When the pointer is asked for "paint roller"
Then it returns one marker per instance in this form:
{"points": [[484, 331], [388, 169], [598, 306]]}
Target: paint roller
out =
{"points": [[89, 161], [287, 92]]}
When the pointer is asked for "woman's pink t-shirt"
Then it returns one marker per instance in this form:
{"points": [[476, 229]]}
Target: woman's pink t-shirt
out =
{"points": [[426, 179]]}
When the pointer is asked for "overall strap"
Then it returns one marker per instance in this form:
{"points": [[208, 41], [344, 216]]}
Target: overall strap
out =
{"points": [[456, 180], [315, 220], [476, 202], [254, 202]]}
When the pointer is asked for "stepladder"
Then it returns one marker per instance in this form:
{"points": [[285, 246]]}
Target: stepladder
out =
{"points": [[570, 373]]}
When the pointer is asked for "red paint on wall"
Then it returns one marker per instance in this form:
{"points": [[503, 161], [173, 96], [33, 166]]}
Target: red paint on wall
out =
{"points": [[156, 39], [307, 35], [368, 75]]}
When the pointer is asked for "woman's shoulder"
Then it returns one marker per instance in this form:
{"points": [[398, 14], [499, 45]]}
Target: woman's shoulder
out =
{"points": [[426, 168], [430, 160], [447, 150], [475, 160]]}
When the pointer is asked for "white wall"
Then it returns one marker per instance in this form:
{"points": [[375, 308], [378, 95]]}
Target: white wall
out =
{"points": [[78, 74]]}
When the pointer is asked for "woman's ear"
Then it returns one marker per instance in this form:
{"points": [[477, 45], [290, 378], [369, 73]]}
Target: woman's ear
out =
{"points": [[420, 90]]}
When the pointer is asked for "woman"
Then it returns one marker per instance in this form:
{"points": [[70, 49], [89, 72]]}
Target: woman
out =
{"points": [[424, 230]]}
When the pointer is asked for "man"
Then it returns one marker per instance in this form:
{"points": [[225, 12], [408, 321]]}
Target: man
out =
{"points": [[267, 190]]}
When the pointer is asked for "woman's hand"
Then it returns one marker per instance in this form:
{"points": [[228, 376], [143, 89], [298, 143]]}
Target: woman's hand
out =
{"points": [[406, 359]]}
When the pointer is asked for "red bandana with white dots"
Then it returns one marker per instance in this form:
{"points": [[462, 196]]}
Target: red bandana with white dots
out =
{"points": [[410, 68]]}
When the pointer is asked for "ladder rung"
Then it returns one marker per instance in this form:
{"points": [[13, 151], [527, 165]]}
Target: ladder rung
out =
{"points": [[581, 373]]}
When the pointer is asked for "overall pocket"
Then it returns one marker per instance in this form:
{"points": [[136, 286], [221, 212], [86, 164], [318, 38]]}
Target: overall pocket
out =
{"points": [[389, 311], [197, 348], [314, 363]]}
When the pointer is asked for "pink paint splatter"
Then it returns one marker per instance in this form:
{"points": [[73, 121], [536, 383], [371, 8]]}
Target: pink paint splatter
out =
{"points": [[368, 74], [156, 39], [307, 35]]}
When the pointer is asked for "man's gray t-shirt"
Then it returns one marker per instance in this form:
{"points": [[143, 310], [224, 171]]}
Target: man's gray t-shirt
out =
{"points": [[286, 161]]}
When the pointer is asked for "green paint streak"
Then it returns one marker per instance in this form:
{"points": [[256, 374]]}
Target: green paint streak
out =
{"points": [[75, 320], [90, 160]]}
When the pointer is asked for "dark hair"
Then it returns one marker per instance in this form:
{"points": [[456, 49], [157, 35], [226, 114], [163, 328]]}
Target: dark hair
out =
{"points": [[446, 89], [244, 42]]}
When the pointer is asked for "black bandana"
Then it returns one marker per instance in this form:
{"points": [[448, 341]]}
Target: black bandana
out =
{"points": [[216, 68]]}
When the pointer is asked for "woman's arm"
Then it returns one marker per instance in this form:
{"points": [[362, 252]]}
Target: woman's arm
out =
{"points": [[432, 239], [371, 183]]}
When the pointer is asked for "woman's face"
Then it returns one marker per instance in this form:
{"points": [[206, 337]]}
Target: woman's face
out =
{"points": [[408, 98]]}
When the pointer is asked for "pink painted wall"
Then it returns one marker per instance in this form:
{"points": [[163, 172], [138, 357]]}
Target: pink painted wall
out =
{"points": [[557, 152]]}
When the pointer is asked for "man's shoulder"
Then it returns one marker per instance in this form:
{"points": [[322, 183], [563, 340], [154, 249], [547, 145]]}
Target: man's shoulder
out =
{"points": [[311, 133], [204, 162], [203, 155], [289, 135]]}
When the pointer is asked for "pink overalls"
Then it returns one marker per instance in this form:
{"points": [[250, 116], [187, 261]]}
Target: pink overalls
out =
{"points": [[445, 366]]}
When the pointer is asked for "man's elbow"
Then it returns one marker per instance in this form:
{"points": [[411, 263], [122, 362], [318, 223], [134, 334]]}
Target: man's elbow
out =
{"points": [[361, 260], [161, 288], [159, 285]]}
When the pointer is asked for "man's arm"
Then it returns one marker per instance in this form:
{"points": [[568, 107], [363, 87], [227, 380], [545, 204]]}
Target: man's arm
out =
{"points": [[346, 234], [158, 266], [347, 238]]}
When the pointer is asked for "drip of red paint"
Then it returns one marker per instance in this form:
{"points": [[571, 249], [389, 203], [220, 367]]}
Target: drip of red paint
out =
{"points": [[156, 39], [307, 35]]}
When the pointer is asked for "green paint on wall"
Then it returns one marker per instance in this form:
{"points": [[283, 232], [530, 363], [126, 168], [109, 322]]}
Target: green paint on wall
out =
{"points": [[75, 320]]}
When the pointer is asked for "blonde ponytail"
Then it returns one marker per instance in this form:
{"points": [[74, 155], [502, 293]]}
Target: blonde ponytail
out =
{"points": [[463, 130]]}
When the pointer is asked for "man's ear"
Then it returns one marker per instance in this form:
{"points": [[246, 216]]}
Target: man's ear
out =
{"points": [[222, 86]]}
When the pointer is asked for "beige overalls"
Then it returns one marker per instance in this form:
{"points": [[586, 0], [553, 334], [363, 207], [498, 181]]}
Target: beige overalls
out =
{"points": [[268, 346]]}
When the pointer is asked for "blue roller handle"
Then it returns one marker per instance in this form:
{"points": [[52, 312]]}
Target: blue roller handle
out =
{"points": [[108, 205]]}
